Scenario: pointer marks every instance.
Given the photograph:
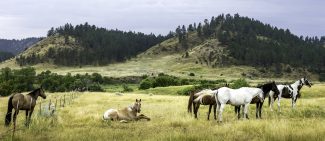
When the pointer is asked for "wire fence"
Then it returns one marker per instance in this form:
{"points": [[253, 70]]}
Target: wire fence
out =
{"points": [[49, 106]]}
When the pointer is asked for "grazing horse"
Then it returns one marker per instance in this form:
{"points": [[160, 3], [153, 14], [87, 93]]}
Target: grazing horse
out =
{"points": [[266, 88], [23, 102], [205, 97], [289, 91], [126, 114], [236, 97]]}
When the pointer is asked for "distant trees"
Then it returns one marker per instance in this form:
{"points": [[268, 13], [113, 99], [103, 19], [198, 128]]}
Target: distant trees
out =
{"points": [[99, 46], [254, 43]]}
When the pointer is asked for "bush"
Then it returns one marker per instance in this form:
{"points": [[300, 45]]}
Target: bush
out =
{"points": [[239, 83], [191, 74], [145, 84], [126, 88]]}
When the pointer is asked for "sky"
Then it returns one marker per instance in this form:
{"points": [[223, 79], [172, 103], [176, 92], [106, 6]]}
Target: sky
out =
{"points": [[33, 18]]}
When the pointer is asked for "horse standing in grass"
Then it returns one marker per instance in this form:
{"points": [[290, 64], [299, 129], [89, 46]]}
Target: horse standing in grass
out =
{"points": [[289, 91], [203, 97], [266, 88], [23, 102], [126, 114], [237, 97]]}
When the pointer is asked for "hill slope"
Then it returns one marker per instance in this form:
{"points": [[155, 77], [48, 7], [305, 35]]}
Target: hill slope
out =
{"points": [[17, 46]]}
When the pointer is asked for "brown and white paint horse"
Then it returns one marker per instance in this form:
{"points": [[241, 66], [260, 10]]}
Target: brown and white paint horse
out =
{"points": [[126, 114]]}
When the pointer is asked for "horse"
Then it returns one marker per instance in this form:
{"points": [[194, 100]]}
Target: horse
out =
{"points": [[205, 98], [27, 102], [126, 114], [289, 91], [237, 97], [266, 88]]}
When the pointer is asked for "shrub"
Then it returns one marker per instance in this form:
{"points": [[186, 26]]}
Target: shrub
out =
{"points": [[126, 88], [145, 84], [239, 83], [191, 74]]}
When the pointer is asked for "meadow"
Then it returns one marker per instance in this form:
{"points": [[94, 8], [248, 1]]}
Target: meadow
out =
{"points": [[82, 120]]}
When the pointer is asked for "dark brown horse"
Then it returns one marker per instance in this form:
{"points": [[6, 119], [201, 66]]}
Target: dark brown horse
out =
{"points": [[23, 102]]}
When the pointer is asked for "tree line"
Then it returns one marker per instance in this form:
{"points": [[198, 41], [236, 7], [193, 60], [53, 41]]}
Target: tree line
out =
{"points": [[100, 46], [254, 43]]}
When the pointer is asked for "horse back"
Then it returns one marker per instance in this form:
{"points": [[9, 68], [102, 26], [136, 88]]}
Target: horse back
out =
{"points": [[208, 100]]}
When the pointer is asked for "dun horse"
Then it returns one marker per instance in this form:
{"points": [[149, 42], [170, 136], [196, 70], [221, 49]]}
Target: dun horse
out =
{"points": [[289, 91], [23, 102], [126, 114], [259, 103]]}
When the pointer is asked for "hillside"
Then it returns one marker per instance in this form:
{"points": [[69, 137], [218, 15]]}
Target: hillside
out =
{"points": [[96, 46], [17, 46], [224, 47]]}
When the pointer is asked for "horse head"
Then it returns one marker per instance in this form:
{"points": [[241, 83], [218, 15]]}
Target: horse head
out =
{"points": [[137, 106], [306, 82], [41, 93]]}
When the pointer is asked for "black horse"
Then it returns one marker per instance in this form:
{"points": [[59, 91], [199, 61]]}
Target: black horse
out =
{"points": [[259, 103]]}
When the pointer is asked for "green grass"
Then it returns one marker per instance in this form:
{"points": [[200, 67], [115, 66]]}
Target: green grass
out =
{"points": [[81, 120]]}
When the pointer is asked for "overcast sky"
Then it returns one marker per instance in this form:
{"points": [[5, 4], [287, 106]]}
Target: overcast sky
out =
{"points": [[33, 18]]}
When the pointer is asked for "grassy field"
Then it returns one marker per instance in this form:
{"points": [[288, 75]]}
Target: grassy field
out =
{"points": [[81, 120]]}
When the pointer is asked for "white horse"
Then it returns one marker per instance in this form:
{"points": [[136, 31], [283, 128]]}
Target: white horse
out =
{"points": [[236, 97], [289, 91], [125, 114]]}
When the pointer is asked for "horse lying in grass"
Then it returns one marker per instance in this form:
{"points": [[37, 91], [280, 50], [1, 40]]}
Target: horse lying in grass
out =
{"points": [[23, 102], [238, 97], [266, 88], [126, 114], [289, 91]]}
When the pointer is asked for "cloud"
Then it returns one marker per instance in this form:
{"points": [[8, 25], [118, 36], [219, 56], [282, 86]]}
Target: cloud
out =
{"points": [[21, 19]]}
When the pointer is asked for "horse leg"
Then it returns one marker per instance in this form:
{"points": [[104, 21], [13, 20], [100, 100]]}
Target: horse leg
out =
{"points": [[261, 106], [15, 119], [30, 115], [246, 111], [215, 111], [26, 121], [279, 104], [210, 106], [257, 109], [237, 111], [196, 109], [222, 106]]}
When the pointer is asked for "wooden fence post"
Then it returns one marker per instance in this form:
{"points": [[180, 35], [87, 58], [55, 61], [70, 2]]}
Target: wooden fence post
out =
{"points": [[50, 105]]}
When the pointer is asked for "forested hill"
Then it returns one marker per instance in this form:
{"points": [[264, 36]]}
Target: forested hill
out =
{"points": [[9, 48], [17, 46], [236, 40], [86, 44]]}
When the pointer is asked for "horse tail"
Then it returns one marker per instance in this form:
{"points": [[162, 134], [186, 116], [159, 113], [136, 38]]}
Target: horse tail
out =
{"points": [[190, 102], [9, 111]]}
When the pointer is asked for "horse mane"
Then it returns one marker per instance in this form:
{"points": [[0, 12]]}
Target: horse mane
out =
{"points": [[34, 91]]}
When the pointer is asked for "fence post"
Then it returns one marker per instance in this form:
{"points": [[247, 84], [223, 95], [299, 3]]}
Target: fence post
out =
{"points": [[56, 100], [40, 107], [50, 105], [63, 100]]}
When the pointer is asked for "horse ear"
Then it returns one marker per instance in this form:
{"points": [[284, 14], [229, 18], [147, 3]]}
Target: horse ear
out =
{"points": [[140, 100], [136, 100]]}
